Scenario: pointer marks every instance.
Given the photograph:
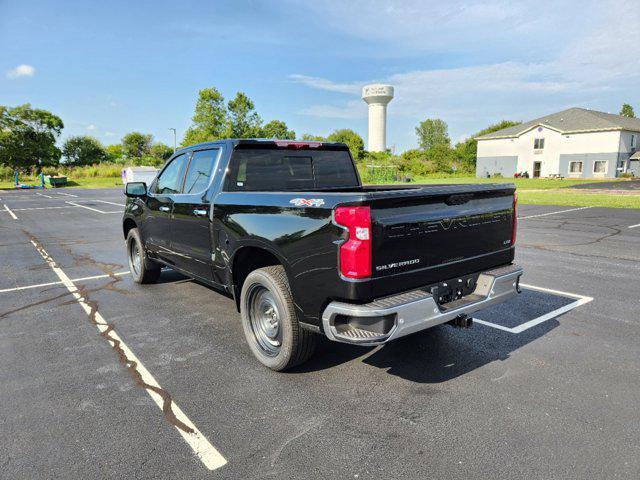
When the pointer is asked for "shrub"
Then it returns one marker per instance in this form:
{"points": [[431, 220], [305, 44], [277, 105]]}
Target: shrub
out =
{"points": [[6, 173]]}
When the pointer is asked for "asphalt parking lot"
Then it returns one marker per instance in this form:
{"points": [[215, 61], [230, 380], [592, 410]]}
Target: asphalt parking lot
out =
{"points": [[545, 386]]}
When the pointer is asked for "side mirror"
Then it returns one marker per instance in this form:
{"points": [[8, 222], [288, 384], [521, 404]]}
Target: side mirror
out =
{"points": [[135, 189]]}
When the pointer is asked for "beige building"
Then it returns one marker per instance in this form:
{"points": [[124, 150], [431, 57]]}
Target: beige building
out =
{"points": [[574, 143]]}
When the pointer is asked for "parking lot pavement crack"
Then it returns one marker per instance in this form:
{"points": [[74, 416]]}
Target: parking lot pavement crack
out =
{"points": [[315, 423], [33, 304], [107, 331]]}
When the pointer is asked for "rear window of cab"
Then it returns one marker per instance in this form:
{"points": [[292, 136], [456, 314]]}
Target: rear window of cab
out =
{"points": [[289, 170]]}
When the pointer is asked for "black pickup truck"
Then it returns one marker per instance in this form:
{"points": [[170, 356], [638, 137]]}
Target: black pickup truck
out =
{"points": [[288, 230]]}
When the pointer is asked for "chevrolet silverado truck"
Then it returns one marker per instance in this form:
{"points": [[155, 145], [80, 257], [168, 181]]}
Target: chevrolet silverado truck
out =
{"points": [[288, 231]]}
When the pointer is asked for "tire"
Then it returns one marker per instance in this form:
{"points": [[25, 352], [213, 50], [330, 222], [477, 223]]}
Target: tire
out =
{"points": [[269, 320], [143, 269]]}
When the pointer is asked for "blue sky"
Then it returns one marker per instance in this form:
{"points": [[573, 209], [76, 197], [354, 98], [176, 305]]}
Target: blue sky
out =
{"points": [[108, 68]]}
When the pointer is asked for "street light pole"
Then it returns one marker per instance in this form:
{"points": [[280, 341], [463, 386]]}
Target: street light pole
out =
{"points": [[174, 139]]}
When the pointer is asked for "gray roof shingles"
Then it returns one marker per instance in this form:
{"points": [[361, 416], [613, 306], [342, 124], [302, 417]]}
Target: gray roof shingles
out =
{"points": [[571, 120]]}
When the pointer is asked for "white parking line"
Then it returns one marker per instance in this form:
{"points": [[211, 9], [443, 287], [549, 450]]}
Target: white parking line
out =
{"points": [[554, 213], [207, 453], [634, 226], [90, 208], [13, 215], [43, 195], [67, 194], [41, 208], [110, 203], [75, 280], [84, 206], [580, 300]]}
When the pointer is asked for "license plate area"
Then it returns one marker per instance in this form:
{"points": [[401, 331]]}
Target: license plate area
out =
{"points": [[453, 289]]}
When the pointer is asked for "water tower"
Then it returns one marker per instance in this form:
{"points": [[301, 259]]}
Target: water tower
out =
{"points": [[377, 97]]}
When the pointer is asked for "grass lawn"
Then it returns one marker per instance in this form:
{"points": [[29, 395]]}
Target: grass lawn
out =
{"points": [[88, 182], [537, 191], [521, 183], [546, 191], [578, 199]]}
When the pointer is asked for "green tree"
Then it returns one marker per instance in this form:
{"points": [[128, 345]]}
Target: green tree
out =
{"points": [[136, 144], [467, 150], [243, 120], [308, 137], [442, 156], [28, 136], [209, 119], [351, 139], [162, 151], [432, 132], [277, 129], [83, 150], [115, 152], [627, 111]]}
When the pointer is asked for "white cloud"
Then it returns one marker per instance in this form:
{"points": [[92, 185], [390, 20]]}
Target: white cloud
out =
{"points": [[109, 134], [21, 71], [324, 84], [401, 26], [591, 69], [352, 109], [91, 127]]}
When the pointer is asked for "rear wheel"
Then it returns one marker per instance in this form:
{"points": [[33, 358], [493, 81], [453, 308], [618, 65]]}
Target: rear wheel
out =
{"points": [[143, 269], [269, 320]]}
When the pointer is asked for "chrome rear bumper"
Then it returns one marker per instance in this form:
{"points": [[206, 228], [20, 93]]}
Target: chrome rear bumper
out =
{"points": [[417, 310]]}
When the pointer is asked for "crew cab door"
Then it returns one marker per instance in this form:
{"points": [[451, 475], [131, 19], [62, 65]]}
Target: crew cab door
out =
{"points": [[159, 207], [191, 229]]}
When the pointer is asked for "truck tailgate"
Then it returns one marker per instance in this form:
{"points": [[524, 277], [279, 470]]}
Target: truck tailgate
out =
{"points": [[437, 226]]}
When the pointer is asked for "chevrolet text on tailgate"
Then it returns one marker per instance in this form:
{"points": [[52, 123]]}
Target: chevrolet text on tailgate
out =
{"points": [[288, 230]]}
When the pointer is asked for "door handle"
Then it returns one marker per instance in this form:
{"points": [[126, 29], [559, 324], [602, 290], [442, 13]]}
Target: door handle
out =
{"points": [[164, 209], [198, 212]]}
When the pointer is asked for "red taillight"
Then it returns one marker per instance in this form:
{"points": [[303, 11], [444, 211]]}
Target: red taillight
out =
{"points": [[515, 219], [355, 253]]}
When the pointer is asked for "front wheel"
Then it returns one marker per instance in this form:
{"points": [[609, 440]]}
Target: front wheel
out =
{"points": [[269, 320], [143, 269]]}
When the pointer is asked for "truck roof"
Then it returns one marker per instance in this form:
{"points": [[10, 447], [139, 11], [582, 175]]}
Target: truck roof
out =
{"points": [[268, 143]]}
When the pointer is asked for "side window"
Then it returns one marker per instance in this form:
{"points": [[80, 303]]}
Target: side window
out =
{"points": [[170, 180], [200, 171]]}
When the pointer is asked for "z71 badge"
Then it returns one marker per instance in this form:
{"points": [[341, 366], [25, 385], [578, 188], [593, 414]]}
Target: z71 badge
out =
{"points": [[307, 202]]}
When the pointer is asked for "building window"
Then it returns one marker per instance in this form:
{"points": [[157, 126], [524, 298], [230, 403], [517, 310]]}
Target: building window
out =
{"points": [[600, 166], [538, 143], [575, 167], [633, 141]]}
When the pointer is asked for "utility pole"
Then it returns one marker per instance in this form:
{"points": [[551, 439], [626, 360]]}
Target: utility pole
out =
{"points": [[174, 139]]}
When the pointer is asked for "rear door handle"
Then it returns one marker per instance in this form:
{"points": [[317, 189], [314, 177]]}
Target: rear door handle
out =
{"points": [[164, 209], [198, 212]]}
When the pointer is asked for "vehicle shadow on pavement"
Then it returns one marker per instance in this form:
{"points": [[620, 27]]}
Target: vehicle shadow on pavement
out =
{"points": [[442, 353]]}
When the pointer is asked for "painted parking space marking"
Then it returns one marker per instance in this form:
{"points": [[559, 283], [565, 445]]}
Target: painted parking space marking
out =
{"points": [[91, 208], [110, 203], [579, 300], [634, 226], [553, 213], [41, 208], [204, 450], [74, 280], [13, 215], [43, 195], [67, 194]]}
